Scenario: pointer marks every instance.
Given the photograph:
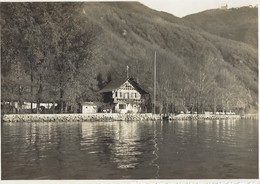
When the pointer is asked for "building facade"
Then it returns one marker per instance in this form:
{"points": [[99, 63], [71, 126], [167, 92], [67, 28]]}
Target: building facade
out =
{"points": [[89, 108], [126, 95], [224, 7]]}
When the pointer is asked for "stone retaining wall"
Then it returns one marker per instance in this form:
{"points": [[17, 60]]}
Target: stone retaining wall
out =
{"points": [[105, 117], [78, 117], [204, 116], [250, 116]]}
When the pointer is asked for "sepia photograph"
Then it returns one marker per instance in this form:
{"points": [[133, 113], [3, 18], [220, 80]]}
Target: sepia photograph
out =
{"points": [[129, 91]]}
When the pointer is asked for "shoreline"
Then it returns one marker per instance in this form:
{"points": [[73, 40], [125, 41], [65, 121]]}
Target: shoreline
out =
{"points": [[106, 117], [78, 117]]}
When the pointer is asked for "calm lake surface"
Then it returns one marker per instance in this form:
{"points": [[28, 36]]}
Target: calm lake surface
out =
{"points": [[203, 149]]}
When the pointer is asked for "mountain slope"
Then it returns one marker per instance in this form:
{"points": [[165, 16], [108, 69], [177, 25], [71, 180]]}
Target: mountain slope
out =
{"points": [[237, 23], [134, 32]]}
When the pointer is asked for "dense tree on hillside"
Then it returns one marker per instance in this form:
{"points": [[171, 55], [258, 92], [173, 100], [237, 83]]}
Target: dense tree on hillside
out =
{"points": [[50, 47], [236, 23]]}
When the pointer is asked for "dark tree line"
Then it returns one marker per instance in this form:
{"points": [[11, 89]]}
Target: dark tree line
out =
{"points": [[48, 54]]}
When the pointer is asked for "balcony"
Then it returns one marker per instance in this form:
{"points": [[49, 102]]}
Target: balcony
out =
{"points": [[131, 101]]}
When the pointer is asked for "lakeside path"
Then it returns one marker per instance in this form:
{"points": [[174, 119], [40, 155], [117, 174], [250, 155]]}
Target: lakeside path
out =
{"points": [[104, 117]]}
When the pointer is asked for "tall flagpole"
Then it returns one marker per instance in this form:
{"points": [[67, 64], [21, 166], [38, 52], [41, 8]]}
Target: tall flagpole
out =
{"points": [[127, 72], [154, 85]]}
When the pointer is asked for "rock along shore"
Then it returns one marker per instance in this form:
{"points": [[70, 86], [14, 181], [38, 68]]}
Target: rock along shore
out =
{"points": [[104, 117]]}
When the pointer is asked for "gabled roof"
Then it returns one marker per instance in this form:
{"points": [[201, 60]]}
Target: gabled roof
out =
{"points": [[89, 103], [115, 84]]}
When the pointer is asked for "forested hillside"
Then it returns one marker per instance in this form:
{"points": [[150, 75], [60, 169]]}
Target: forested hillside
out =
{"points": [[66, 52], [236, 23]]}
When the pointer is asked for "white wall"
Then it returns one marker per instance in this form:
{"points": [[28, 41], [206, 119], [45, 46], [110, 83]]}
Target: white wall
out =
{"points": [[130, 108], [88, 109]]}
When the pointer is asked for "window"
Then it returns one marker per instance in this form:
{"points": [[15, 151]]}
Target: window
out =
{"points": [[120, 94], [127, 87], [116, 94], [135, 95], [126, 95], [122, 106]]}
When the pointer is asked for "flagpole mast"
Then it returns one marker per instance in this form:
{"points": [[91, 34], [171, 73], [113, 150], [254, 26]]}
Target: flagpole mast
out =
{"points": [[154, 85], [127, 72]]}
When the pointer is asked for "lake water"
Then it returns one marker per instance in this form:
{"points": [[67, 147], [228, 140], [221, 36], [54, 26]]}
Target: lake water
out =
{"points": [[203, 149]]}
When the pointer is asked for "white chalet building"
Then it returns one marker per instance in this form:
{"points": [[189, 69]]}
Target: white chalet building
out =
{"points": [[126, 95]]}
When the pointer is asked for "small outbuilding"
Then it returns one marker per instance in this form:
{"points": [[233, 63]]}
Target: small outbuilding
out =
{"points": [[89, 108]]}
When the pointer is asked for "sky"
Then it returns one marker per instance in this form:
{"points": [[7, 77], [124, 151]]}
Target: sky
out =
{"points": [[182, 8]]}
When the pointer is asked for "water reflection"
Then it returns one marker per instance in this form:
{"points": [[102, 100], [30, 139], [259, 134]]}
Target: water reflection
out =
{"points": [[139, 150]]}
